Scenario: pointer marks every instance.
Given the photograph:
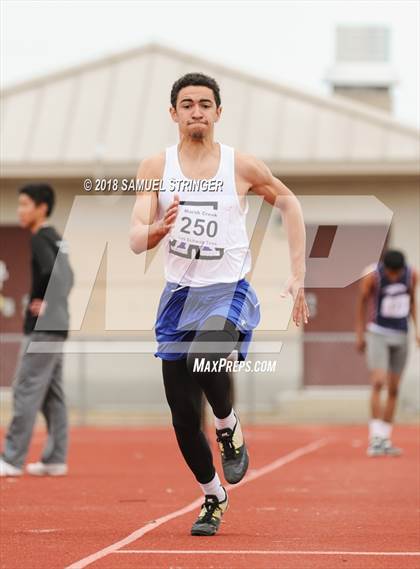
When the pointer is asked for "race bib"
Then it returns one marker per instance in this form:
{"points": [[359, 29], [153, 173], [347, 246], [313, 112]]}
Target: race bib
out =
{"points": [[397, 306], [200, 230]]}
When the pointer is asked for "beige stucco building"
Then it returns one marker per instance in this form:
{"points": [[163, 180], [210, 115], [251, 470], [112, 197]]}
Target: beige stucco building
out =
{"points": [[354, 169]]}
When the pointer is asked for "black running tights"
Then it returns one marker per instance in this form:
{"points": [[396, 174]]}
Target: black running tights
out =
{"points": [[184, 388]]}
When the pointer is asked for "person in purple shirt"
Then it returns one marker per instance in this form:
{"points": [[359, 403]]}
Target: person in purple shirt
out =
{"points": [[388, 293]]}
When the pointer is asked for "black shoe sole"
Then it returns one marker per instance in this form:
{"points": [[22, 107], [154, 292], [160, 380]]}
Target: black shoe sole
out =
{"points": [[204, 531]]}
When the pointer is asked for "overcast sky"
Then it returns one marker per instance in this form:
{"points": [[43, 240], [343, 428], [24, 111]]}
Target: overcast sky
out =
{"points": [[291, 42]]}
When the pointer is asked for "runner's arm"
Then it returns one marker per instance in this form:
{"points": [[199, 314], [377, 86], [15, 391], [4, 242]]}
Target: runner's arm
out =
{"points": [[365, 290], [263, 183], [413, 306], [145, 231]]}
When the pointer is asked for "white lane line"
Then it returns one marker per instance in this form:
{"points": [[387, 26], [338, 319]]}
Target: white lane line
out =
{"points": [[294, 455], [265, 552], [41, 530]]}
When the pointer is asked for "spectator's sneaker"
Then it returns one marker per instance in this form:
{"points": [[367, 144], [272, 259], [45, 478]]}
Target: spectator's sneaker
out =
{"points": [[234, 454], [208, 521], [376, 447], [7, 469], [43, 469], [389, 448]]}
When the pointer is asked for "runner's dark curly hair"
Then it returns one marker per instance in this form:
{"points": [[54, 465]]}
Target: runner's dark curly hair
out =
{"points": [[195, 79]]}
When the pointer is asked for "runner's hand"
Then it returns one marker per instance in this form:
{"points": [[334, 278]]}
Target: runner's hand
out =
{"points": [[294, 286], [168, 221], [37, 307], [361, 344]]}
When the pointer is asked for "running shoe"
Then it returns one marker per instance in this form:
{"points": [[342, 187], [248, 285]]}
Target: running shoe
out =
{"points": [[7, 469], [376, 447], [211, 513], [44, 469], [234, 454], [389, 448]]}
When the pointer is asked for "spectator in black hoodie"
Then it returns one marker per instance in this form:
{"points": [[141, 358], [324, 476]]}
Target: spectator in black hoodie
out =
{"points": [[38, 384]]}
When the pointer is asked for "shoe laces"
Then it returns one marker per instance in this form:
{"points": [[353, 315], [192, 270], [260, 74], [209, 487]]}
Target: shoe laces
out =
{"points": [[225, 438], [210, 505]]}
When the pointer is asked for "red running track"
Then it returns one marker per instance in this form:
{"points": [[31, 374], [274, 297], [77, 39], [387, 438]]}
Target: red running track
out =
{"points": [[319, 504]]}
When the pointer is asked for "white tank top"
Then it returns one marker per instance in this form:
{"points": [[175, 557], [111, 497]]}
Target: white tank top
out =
{"points": [[209, 243]]}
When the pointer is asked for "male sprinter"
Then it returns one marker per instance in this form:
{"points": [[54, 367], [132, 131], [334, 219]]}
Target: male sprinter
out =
{"points": [[38, 385], [390, 289], [207, 309]]}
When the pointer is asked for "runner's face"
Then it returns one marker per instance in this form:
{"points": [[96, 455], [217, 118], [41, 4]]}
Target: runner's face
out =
{"points": [[393, 275], [28, 212], [196, 111]]}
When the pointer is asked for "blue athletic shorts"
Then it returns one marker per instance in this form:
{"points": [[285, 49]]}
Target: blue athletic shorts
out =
{"points": [[182, 311]]}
